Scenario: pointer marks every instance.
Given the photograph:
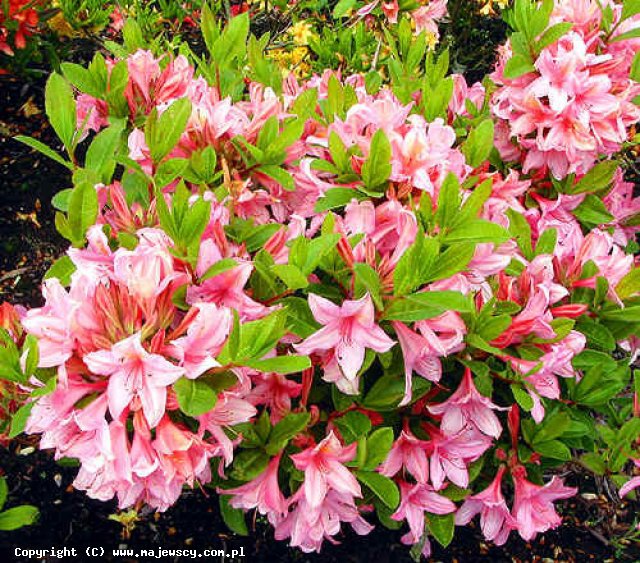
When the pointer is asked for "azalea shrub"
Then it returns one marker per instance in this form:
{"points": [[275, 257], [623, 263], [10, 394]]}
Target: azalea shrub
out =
{"points": [[388, 297]]}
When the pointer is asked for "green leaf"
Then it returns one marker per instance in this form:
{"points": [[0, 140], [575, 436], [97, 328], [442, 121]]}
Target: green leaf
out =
{"points": [[626, 315], [17, 517], [594, 463], [60, 107], [383, 487], [369, 280], [19, 420], [596, 179], [388, 391], [195, 397], [44, 149], [441, 527], [353, 426], [427, 304], [379, 445], [629, 284], [342, 8], [521, 230], [83, 210], [4, 490], [554, 449], [478, 231], [376, 169], [592, 212], [448, 202], [233, 517], [517, 66], [453, 260], [547, 242], [552, 34], [290, 275], [598, 335], [479, 143], [163, 132], [169, 170], [280, 175], [630, 8], [281, 364], [248, 464], [221, 266], [337, 197], [62, 269], [101, 151], [290, 426], [522, 397], [415, 265]]}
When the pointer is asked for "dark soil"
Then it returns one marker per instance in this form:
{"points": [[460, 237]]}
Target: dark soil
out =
{"points": [[29, 241], [69, 518]]}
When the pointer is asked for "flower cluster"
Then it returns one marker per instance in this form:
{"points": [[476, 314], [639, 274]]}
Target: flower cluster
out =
{"points": [[574, 102], [329, 299], [18, 20]]}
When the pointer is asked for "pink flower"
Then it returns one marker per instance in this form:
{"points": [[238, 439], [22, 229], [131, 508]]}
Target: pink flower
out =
{"points": [[324, 470], [134, 372], [262, 493], [465, 406], [227, 289], [148, 269], [451, 454], [495, 519], [418, 357], [275, 391], [52, 324], [533, 506], [205, 337], [349, 329], [411, 453], [632, 483], [415, 501], [309, 526]]}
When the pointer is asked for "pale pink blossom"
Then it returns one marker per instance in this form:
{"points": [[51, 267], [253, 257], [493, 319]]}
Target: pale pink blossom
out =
{"points": [[408, 452], [135, 373], [324, 470], [533, 507], [496, 521], [262, 492], [467, 406], [348, 329]]}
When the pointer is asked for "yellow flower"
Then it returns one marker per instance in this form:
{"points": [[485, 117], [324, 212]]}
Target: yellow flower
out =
{"points": [[301, 32]]}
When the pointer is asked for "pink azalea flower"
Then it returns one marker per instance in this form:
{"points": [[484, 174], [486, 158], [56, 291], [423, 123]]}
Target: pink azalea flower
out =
{"points": [[52, 325], [148, 269], [227, 289], [134, 372], [451, 454], [418, 357], [324, 470], [408, 452], [466, 406], [533, 507], [262, 493], [415, 501], [496, 521], [348, 329], [205, 337], [275, 391], [230, 410], [308, 526], [632, 483]]}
